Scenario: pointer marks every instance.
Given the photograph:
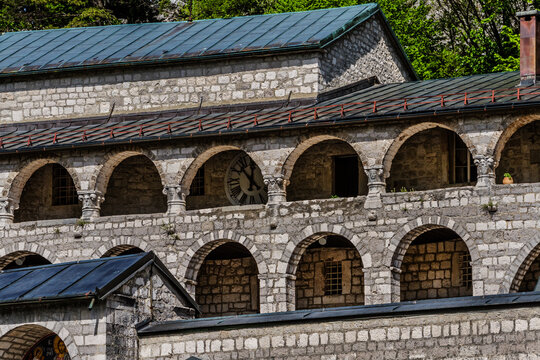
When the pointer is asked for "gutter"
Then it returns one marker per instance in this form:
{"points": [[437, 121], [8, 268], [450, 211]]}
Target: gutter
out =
{"points": [[359, 120]]}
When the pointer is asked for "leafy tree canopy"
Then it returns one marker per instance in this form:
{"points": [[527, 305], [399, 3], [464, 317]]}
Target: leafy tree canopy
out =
{"points": [[443, 38]]}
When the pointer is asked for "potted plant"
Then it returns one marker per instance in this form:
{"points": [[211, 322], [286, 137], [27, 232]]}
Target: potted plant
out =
{"points": [[507, 179]]}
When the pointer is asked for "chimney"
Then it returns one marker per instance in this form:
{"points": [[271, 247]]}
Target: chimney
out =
{"points": [[529, 59]]}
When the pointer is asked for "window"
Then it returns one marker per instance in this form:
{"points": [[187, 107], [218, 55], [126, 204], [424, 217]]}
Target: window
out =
{"points": [[63, 189], [462, 168], [333, 276], [197, 186], [346, 176], [465, 271]]}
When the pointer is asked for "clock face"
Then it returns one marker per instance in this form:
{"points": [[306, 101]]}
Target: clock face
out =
{"points": [[244, 182]]}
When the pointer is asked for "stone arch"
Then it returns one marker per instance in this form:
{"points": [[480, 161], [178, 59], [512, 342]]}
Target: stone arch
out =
{"points": [[15, 340], [113, 245], [25, 247], [297, 245], [399, 243], [18, 179], [199, 249], [303, 145], [111, 160], [14, 256], [413, 130], [519, 267], [121, 250], [497, 145]]}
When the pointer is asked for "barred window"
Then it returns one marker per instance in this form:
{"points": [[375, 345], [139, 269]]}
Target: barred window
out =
{"points": [[197, 186], [333, 276], [63, 189], [465, 270]]}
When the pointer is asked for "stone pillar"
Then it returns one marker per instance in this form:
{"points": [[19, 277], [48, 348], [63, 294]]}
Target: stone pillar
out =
{"points": [[7, 209], [176, 199], [376, 186], [276, 292], [381, 285], [91, 203], [276, 189], [485, 166]]}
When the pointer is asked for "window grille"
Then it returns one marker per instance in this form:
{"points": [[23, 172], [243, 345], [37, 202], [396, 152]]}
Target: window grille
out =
{"points": [[465, 270], [333, 276], [197, 186], [63, 189]]}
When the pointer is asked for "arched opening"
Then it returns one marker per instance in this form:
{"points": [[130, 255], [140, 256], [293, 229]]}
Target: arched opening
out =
{"points": [[21, 259], [48, 194], [134, 187], [521, 155], [230, 177], [330, 168], [329, 274], [227, 282], [431, 159], [528, 274], [30, 342], [436, 265], [121, 250]]}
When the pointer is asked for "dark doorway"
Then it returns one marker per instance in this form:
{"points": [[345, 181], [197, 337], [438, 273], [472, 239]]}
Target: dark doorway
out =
{"points": [[346, 176]]}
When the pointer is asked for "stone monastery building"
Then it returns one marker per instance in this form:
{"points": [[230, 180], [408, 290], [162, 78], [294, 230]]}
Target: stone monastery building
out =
{"points": [[265, 187]]}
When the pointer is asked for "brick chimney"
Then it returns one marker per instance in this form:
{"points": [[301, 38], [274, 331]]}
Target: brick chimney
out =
{"points": [[529, 60]]}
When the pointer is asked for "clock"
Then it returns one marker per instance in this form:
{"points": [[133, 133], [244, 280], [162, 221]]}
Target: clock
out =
{"points": [[244, 182]]}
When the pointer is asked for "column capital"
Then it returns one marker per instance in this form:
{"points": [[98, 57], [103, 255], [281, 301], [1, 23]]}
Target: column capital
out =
{"points": [[176, 198], [485, 167], [376, 186], [91, 203], [7, 210], [276, 185]]}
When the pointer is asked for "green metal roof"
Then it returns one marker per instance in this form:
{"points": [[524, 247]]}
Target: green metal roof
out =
{"points": [[75, 48]]}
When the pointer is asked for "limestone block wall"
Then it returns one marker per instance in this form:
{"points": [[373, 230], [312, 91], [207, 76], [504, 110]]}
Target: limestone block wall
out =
{"points": [[228, 287], [310, 279], [435, 270], [243, 80], [500, 334]]}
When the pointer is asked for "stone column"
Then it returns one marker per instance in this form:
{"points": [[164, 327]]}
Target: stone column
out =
{"points": [[381, 285], [176, 199], [485, 167], [276, 292], [376, 186], [7, 209], [276, 189], [91, 203]]}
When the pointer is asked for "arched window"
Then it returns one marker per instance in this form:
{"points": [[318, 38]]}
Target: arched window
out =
{"points": [[327, 169], [121, 250], [134, 188], [48, 194], [21, 259], [329, 274], [227, 282], [30, 342]]}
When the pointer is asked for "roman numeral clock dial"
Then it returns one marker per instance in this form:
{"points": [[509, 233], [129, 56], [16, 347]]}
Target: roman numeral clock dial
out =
{"points": [[244, 182]]}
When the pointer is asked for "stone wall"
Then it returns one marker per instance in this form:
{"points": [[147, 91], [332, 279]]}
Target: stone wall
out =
{"points": [[313, 173], [341, 64], [36, 202], [521, 155], [228, 287], [134, 188], [215, 170], [310, 279], [249, 79], [498, 334], [432, 271]]}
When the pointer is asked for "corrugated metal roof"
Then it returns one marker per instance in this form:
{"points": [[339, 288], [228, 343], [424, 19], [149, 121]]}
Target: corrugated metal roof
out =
{"points": [[461, 304], [81, 279], [46, 50], [392, 101]]}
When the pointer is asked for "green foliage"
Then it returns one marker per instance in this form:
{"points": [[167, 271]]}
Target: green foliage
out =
{"points": [[94, 17]]}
